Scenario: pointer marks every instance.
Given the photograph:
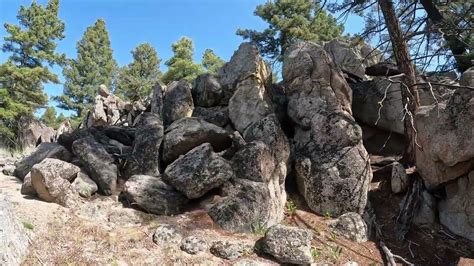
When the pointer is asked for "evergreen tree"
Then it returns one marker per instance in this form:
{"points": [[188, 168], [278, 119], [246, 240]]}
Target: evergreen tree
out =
{"points": [[136, 80], [211, 62], [61, 118], [181, 65], [32, 45], [290, 20], [94, 66], [49, 117]]}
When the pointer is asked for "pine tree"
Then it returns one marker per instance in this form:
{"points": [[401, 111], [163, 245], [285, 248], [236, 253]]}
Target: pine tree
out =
{"points": [[94, 66], [136, 80], [32, 45], [290, 20], [211, 62], [182, 65], [49, 117]]}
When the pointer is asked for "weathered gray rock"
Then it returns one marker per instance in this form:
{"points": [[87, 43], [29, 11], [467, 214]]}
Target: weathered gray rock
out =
{"points": [[399, 178], [218, 115], [178, 102], [207, 91], [193, 245], [332, 167], [426, 214], [258, 192], [187, 133], [352, 226], [43, 151], [153, 195], [288, 244], [157, 100], [353, 59], [447, 139], [98, 164], [85, 186], [245, 64], [166, 234], [249, 104], [198, 171], [14, 241], [457, 211], [27, 187], [8, 169], [51, 180], [32, 132], [249, 203], [145, 158], [231, 249]]}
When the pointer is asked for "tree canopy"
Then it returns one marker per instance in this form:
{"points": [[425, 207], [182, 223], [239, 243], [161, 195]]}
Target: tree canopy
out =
{"points": [[94, 66], [32, 47], [135, 81], [182, 65], [211, 62], [290, 20]]}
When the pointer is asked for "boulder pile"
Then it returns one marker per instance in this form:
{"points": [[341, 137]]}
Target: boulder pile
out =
{"points": [[221, 136]]}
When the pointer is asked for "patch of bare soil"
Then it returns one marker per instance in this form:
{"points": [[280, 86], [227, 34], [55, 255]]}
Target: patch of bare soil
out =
{"points": [[423, 246]]}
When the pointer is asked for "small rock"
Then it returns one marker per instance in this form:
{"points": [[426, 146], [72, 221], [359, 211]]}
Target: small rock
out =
{"points": [[85, 186], [350, 263], [231, 249], [288, 244], [193, 245], [27, 187], [8, 169], [352, 226], [166, 234], [399, 180]]}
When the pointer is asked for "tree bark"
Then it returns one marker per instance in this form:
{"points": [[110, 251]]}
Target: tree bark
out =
{"points": [[457, 47], [410, 98]]}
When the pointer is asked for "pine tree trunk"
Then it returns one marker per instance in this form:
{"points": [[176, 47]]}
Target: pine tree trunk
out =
{"points": [[410, 97]]}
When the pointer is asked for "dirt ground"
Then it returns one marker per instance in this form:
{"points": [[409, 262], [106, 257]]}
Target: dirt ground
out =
{"points": [[104, 232]]}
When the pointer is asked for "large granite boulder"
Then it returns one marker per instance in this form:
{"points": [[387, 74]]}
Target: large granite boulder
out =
{"points": [[145, 157], [33, 132], [14, 240], [108, 109], [249, 104], [178, 102], [457, 211], [99, 165], [245, 64], [288, 244], [152, 195], [332, 167], [43, 151], [352, 226], [157, 100], [446, 137], [187, 133], [218, 115], [52, 179], [207, 91], [198, 171], [353, 58]]}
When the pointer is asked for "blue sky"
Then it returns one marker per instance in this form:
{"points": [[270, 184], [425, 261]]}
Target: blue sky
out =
{"points": [[210, 23]]}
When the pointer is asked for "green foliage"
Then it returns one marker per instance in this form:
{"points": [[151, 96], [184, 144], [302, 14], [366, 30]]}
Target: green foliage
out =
{"points": [[94, 66], [336, 252], [315, 253], [259, 228], [291, 207], [181, 65], [49, 117], [136, 80], [28, 225], [31, 46], [211, 62], [289, 21]]}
